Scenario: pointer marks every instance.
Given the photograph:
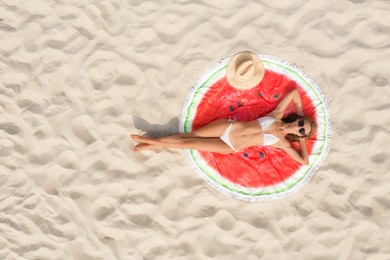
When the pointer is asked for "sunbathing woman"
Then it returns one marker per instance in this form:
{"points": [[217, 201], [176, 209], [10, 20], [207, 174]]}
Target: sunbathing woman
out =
{"points": [[227, 136]]}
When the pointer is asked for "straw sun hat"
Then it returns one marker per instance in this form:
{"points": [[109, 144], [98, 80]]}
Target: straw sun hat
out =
{"points": [[245, 70]]}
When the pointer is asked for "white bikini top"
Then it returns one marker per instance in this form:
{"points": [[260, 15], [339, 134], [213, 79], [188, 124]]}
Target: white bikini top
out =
{"points": [[265, 123]]}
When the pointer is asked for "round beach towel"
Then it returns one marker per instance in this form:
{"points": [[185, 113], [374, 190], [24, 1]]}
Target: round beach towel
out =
{"points": [[255, 173]]}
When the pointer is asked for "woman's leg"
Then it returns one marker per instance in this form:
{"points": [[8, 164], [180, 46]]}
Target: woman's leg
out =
{"points": [[144, 146], [173, 141], [211, 130]]}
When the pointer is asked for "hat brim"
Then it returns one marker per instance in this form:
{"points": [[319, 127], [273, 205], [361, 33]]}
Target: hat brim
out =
{"points": [[246, 84]]}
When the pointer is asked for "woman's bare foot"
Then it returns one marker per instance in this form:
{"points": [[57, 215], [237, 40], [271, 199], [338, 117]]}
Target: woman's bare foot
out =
{"points": [[139, 138], [142, 146]]}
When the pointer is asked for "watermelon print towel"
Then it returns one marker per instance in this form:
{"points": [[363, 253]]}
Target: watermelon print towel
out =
{"points": [[255, 173]]}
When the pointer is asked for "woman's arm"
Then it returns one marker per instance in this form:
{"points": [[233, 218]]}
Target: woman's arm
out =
{"points": [[302, 158], [304, 153], [293, 96]]}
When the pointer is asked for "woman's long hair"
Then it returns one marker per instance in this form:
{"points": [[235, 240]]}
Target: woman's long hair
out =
{"points": [[291, 118]]}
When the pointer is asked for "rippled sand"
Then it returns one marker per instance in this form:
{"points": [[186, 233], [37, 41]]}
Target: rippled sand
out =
{"points": [[77, 77]]}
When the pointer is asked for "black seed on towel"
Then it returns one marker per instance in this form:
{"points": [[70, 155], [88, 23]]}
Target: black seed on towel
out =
{"points": [[276, 96], [261, 155], [246, 155], [231, 108]]}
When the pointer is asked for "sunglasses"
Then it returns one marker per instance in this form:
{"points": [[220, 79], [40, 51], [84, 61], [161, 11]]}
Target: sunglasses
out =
{"points": [[301, 123]]}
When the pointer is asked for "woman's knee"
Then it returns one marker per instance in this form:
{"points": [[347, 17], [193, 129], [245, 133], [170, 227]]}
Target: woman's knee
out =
{"points": [[187, 141]]}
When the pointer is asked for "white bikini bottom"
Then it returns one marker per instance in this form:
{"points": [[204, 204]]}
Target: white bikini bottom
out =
{"points": [[225, 137], [265, 122]]}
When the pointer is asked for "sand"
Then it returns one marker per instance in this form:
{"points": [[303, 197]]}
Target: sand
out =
{"points": [[77, 77]]}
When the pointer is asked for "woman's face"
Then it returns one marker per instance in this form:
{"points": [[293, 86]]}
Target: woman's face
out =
{"points": [[302, 127]]}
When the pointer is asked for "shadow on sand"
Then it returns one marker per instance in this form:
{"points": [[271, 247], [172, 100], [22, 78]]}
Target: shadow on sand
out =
{"points": [[157, 130]]}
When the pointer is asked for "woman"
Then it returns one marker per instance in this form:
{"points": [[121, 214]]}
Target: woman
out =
{"points": [[227, 136], [244, 71]]}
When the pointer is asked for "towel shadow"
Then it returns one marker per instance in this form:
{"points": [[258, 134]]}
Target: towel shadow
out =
{"points": [[156, 130]]}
